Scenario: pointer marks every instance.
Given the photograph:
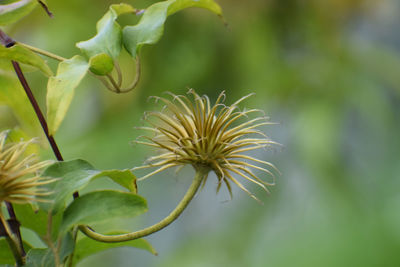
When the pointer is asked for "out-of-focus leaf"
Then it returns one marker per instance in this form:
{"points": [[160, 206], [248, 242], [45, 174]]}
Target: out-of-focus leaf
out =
{"points": [[101, 64], [40, 257], [36, 220], [151, 26], [61, 88], [67, 246], [109, 36], [6, 66], [86, 246], [102, 206], [73, 176], [13, 96], [26, 56], [13, 12], [6, 256], [210, 5], [44, 257]]}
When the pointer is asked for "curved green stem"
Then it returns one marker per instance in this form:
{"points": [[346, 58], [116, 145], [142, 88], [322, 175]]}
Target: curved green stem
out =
{"points": [[201, 173], [112, 81], [69, 262], [42, 52], [119, 73], [136, 80]]}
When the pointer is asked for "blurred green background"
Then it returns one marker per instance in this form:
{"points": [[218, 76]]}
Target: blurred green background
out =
{"points": [[327, 71]]}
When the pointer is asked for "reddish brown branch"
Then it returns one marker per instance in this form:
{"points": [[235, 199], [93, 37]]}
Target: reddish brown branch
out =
{"points": [[38, 112], [46, 9]]}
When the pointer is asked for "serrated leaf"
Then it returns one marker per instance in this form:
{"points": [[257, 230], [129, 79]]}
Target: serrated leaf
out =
{"points": [[150, 28], [40, 257], [102, 206], [86, 246], [25, 56], [61, 88], [73, 176], [109, 35], [6, 256], [13, 12], [101, 64]]}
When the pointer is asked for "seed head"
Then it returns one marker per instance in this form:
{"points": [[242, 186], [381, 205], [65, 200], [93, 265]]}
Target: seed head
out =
{"points": [[197, 133], [19, 174]]}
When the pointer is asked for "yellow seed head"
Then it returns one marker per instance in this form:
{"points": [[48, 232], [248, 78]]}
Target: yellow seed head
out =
{"points": [[19, 174], [197, 133]]}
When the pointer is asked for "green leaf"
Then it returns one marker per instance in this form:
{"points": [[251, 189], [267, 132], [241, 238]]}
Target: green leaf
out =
{"points": [[102, 206], [36, 219], [7, 67], [86, 246], [44, 257], [73, 176], [61, 88], [12, 12], [12, 95], [26, 56], [150, 28], [101, 64], [108, 39], [40, 257], [124, 178], [6, 256], [210, 5], [67, 246]]}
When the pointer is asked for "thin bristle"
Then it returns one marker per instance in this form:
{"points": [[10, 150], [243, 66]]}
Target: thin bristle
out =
{"points": [[19, 179]]}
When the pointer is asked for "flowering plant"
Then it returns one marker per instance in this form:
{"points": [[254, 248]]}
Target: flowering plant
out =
{"points": [[45, 196]]}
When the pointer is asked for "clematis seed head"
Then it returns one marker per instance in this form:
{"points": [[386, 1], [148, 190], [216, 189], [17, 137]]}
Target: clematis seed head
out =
{"points": [[20, 180], [189, 130]]}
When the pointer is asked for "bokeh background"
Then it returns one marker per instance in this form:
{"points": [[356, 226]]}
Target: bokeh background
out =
{"points": [[327, 71]]}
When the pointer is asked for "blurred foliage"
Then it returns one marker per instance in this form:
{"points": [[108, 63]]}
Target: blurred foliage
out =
{"points": [[326, 70]]}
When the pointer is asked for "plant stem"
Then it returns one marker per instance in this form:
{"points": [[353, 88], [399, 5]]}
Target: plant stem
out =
{"points": [[6, 40], [42, 52], [201, 173], [112, 81], [69, 262], [46, 9], [14, 244], [49, 240], [105, 83], [136, 80], [13, 235], [119, 73], [16, 231], [38, 112]]}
